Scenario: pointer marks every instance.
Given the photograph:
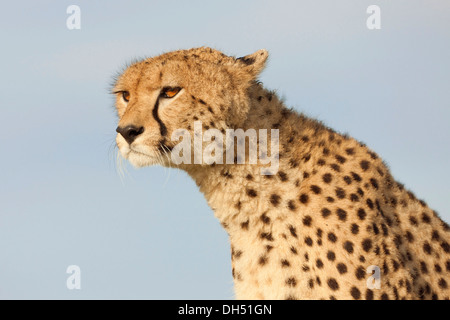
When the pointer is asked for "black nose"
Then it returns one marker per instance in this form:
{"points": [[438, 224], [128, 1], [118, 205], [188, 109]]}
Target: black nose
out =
{"points": [[130, 132]]}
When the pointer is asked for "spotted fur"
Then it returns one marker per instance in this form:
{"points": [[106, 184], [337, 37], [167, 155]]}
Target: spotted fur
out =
{"points": [[310, 231]]}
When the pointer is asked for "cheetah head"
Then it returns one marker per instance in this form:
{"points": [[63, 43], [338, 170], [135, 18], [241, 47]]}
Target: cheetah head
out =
{"points": [[156, 96]]}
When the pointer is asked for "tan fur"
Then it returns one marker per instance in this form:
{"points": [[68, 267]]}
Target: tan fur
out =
{"points": [[312, 230]]}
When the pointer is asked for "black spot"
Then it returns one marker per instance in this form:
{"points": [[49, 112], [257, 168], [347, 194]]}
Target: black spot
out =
{"points": [[354, 197], [283, 176], [303, 198], [227, 174], [311, 283], [265, 219], [340, 193], [293, 231], [367, 245], [331, 256], [356, 294], [369, 203], [360, 273], [423, 267], [325, 212], [262, 260], [385, 268], [291, 205], [305, 175], [445, 246], [330, 199], [319, 264], [244, 225], [335, 167], [342, 214], [327, 177], [347, 180], [291, 282], [396, 265], [348, 246], [321, 162], [307, 221], [384, 296], [426, 218], [293, 163], [342, 268], [385, 229], [427, 248], [340, 159], [375, 229], [374, 183], [201, 101], [413, 221], [275, 200], [369, 294], [267, 236], [435, 236], [355, 228], [285, 263], [372, 155], [252, 193], [355, 176], [386, 249], [308, 241], [332, 237], [333, 284], [361, 214], [316, 189], [364, 165], [319, 233], [350, 151], [210, 110], [293, 250]]}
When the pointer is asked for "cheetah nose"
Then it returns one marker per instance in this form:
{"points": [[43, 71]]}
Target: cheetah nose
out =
{"points": [[130, 132]]}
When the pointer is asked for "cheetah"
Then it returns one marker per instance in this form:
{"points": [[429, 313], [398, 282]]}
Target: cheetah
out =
{"points": [[323, 224]]}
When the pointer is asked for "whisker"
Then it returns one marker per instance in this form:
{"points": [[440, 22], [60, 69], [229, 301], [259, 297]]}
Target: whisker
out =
{"points": [[163, 148]]}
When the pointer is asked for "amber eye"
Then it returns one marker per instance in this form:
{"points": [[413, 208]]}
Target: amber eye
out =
{"points": [[126, 96], [170, 92]]}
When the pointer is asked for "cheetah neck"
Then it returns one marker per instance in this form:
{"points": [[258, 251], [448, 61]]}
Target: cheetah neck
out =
{"points": [[229, 188], [224, 185]]}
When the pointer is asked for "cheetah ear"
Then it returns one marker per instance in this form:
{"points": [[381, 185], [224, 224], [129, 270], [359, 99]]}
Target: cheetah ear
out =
{"points": [[253, 63]]}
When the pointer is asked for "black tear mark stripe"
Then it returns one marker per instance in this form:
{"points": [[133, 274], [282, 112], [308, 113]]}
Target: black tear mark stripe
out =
{"points": [[163, 147], [162, 126]]}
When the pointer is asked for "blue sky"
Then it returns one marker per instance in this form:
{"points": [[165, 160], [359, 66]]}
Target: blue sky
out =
{"points": [[151, 235]]}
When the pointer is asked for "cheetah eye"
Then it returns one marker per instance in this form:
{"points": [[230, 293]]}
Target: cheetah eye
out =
{"points": [[126, 96], [170, 92]]}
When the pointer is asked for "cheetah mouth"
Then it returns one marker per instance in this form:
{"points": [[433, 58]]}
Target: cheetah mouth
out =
{"points": [[139, 153], [140, 159]]}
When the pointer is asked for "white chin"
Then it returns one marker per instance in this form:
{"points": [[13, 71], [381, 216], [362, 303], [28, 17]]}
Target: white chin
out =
{"points": [[139, 160]]}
